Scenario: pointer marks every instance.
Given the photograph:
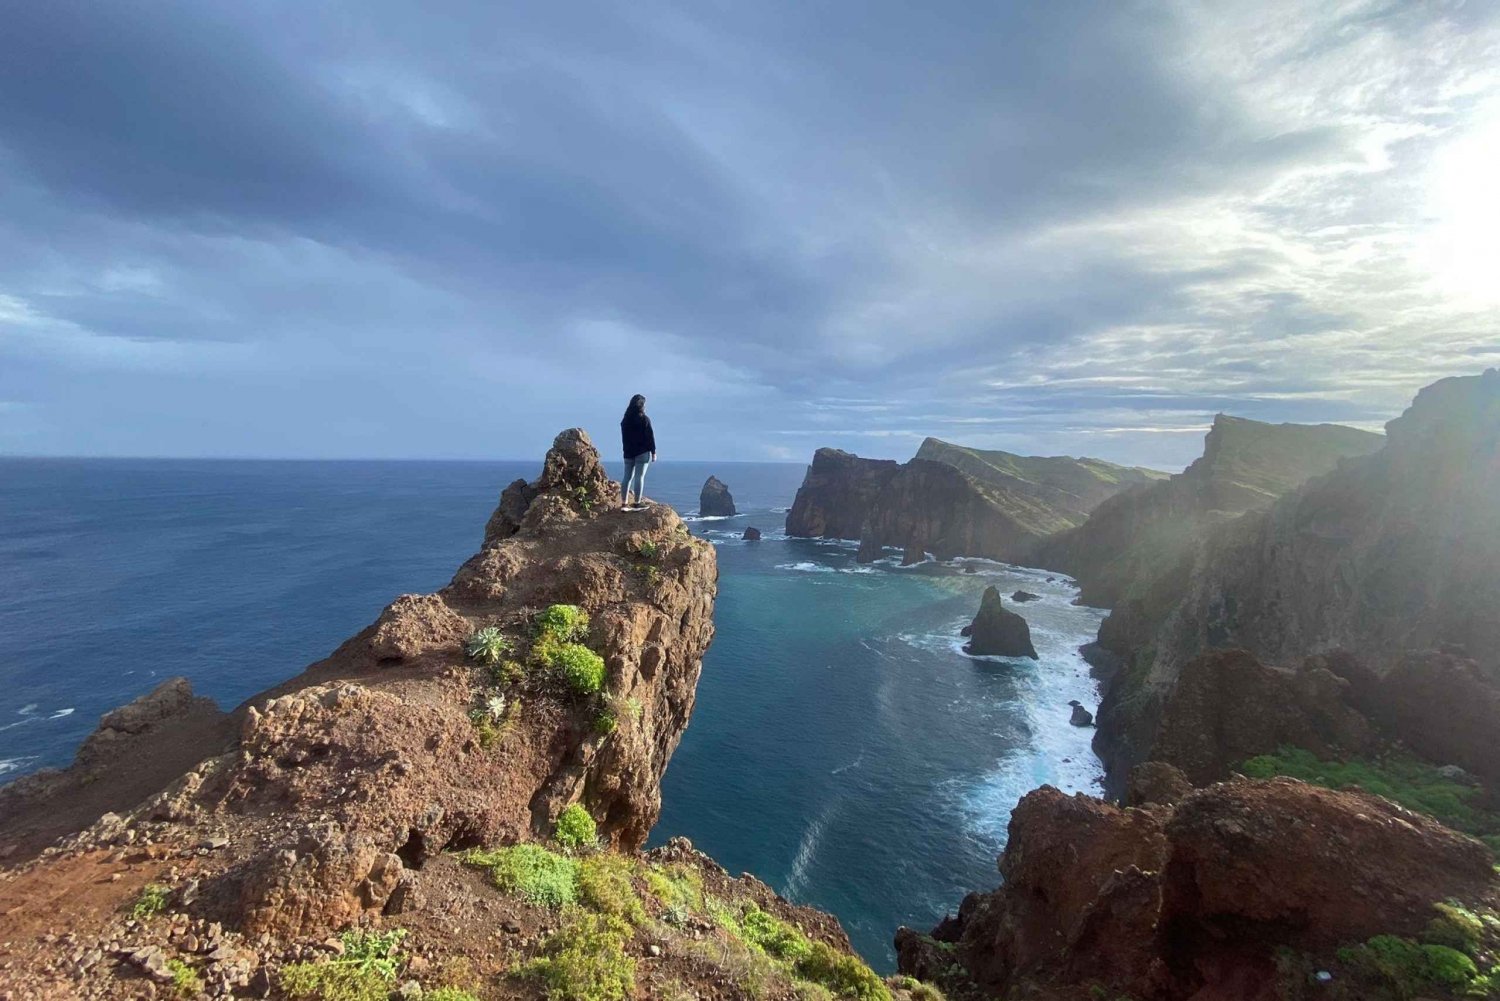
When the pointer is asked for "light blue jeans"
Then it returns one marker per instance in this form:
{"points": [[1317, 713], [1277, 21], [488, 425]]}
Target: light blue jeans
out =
{"points": [[635, 477]]}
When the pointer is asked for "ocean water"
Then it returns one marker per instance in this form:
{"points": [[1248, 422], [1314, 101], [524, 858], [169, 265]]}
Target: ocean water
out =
{"points": [[843, 748]]}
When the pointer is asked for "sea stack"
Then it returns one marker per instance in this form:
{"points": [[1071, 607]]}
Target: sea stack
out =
{"points": [[715, 501], [752, 534], [997, 631]]}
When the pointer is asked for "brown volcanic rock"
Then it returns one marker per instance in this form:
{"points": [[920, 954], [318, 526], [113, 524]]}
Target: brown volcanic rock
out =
{"points": [[1309, 867], [1169, 903], [415, 623], [1227, 707], [1078, 899], [353, 773], [1157, 782], [997, 631], [836, 494]]}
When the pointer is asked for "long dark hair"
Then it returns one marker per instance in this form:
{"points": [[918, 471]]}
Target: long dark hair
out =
{"points": [[636, 408]]}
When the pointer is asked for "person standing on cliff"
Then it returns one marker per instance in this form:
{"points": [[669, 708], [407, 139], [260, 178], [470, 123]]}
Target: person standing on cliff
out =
{"points": [[640, 451]]}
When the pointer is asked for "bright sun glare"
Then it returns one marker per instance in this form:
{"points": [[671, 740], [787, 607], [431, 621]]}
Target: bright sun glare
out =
{"points": [[1462, 250]]}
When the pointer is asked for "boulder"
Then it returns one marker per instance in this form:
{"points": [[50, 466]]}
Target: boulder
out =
{"points": [[997, 631], [1021, 596], [752, 534], [1156, 782], [715, 500], [1199, 899], [1081, 716]]}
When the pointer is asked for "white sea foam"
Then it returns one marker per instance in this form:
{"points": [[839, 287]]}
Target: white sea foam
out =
{"points": [[806, 566], [61, 713], [12, 764], [27, 709], [807, 848]]}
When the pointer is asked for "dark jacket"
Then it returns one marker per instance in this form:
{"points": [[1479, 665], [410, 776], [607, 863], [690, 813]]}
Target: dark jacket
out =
{"points": [[637, 436]]}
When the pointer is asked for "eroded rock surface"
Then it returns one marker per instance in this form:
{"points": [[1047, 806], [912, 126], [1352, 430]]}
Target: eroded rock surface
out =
{"points": [[1195, 901]]}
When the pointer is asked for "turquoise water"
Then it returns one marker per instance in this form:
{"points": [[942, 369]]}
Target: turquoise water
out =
{"points": [[842, 748]]}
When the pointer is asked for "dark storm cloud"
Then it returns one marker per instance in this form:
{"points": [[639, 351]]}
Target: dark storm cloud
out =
{"points": [[1019, 219]]}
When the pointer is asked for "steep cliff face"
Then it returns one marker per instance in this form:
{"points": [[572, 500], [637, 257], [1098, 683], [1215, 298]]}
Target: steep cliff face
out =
{"points": [[1240, 890], [1391, 554], [930, 507], [1139, 544], [836, 494], [951, 501]]}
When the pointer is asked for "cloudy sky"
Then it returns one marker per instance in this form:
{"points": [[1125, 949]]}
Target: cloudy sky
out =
{"points": [[449, 230]]}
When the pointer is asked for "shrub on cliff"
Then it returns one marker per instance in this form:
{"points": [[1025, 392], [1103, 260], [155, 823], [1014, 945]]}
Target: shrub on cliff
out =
{"points": [[580, 668], [773, 936], [489, 646], [563, 623], [576, 828], [846, 976], [604, 885], [585, 960], [541, 876]]}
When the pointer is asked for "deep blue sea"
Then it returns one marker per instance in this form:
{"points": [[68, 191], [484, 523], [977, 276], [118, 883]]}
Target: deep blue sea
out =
{"points": [[843, 748]]}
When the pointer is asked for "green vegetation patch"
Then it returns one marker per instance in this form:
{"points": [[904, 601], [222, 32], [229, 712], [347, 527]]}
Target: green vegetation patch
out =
{"points": [[449, 994], [151, 902], [369, 965], [186, 982], [605, 886], [488, 646], [1411, 968], [541, 876], [678, 887], [845, 976], [811, 962], [1404, 779], [580, 668], [926, 992], [576, 828], [563, 623], [585, 959]]}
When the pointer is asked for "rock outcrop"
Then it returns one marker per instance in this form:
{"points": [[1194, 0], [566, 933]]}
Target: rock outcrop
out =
{"points": [[1388, 555], [997, 631], [836, 494], [715, 500], [751, 534], [1197, 900], [339, 797]]}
